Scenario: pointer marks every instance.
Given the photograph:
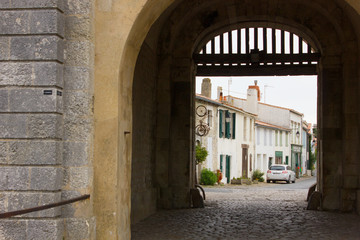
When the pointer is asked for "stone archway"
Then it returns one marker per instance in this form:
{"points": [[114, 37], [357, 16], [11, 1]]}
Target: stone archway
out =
{"points": [[175, 39]]}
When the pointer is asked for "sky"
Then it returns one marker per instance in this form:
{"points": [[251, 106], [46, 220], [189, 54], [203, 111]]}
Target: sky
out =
{"points": [[295, 92]]}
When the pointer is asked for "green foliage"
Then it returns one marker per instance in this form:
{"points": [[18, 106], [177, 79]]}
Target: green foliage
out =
{"points": [[208, 177], [201, 154], [258, 175]]}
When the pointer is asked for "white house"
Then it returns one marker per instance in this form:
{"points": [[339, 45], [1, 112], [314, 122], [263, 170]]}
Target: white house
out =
{"points": [[286, 130], [272, 145], [230, 137]]}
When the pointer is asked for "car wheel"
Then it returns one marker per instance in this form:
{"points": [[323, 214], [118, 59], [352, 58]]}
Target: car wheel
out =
{"points": [[288, 181], [268, 181]]}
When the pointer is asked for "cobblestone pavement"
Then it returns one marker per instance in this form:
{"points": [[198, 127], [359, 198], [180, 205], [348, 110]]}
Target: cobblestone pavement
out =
{"points": [[249, 212]]}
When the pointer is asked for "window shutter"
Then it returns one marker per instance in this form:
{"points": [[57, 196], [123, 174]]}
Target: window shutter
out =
{"points": [[234, 124], [221, 163], [227, 124], [220, 123]]}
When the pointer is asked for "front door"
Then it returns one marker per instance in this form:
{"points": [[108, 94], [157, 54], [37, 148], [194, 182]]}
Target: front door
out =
{"points": [[245, 162]]}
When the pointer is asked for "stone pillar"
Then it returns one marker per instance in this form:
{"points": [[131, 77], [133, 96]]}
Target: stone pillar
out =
{"points": [[331, 137], [31, 119], [79, 222]]}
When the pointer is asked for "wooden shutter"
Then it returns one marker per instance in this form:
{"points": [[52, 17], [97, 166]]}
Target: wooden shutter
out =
{"points": [[227, 124], [220, 123], [233, 125], [221, 163]]}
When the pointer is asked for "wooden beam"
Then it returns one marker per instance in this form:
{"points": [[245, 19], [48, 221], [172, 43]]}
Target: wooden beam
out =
{"points": [[263, 58], [261, 70]]}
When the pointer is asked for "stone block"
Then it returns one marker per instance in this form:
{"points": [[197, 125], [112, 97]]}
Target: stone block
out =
{"points": [[79, 53], [14, 178], [23, 200], [77, 129], [4, 101], [75, 154], [49, 74], [351, 182], [78, 103], [34, 153], [14, 22], [46, 178], [77, 6], [4, 149], [45, 126], [3, 202], [78, 28], [77, 177], [47, 22], [77, 78], [45, 229], [4, 48], [79, 209], [35, 100], [5, 4], [12, 229], [331, 199], [79, 228], [13, 125], [38, 4], [16, 73], [37, 48]]}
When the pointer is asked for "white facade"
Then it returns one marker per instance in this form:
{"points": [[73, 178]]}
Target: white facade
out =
{"points": [[272, 145], [227, 142]]}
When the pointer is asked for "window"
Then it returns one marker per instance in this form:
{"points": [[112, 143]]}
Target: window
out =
{"points": [[276, 138], [227, 123], [277, 168], [233, 125], [245, 128], [251, 128], [265, 136], [281, 138], [287, 139], [221, 123]]}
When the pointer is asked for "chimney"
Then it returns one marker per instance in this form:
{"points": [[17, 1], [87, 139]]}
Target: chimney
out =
{"points": [[206, 87], [253, 97], [219, 93], [257, 88]]}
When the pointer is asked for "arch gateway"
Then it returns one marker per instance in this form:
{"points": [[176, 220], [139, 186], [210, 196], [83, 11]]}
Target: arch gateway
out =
{"points": [[97, 98]]}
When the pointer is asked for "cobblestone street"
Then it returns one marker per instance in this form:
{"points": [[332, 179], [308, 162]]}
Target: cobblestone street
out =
{"points": [[263, 211]]}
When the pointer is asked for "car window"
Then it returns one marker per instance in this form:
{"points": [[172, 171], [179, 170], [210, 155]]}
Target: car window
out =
{"points": [[288, 168], [277, 168]]}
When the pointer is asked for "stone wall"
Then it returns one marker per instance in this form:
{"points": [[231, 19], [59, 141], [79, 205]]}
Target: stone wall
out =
{"points": [[143, 191], [46, 116], [79, 222], [31, 120]]}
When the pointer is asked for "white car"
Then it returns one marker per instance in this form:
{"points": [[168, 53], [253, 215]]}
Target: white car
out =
{"points": [[280, 172]]}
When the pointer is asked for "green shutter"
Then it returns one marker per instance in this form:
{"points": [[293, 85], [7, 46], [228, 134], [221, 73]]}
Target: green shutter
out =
{"points": [[227, 124], [227, 174], [221, 163], [234, 124], [220, 123]]}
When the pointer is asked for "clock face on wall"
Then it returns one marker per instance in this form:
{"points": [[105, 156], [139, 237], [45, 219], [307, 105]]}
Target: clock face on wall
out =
{"points": [[201, 110]]}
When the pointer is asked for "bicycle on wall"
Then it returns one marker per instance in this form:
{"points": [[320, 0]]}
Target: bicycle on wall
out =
{"points": [[202, 129]]}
